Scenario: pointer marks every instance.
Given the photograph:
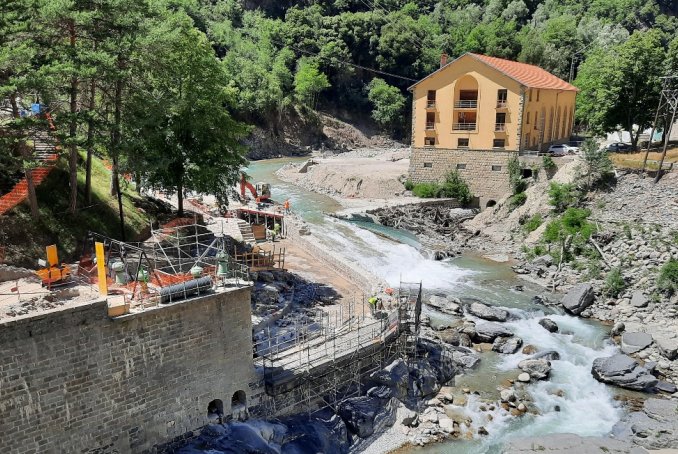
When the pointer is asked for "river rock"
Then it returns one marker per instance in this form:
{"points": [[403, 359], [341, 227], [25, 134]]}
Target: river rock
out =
{"points": [[488, 332], [490, 313], [410, 418], [638, 299], [445, 305], [447, 425], [423, 379], [395, 376], [568, 444], [578, 298], [507, 345], [508, 395], [499, 258], [548, 355], [667, 347], [466, 358], [456, 338], [653, 428], [635, 342], [543, 260], [529, 349], [623, 371], [537, 368], [358, 413], [665, 387], [524, 377], [617, 329], [549, 325]]}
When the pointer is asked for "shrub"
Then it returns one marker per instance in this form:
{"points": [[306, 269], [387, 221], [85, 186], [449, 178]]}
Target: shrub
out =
{"points": [[593, 271], [574, 221], [518, 200], [533, 223], [614, 283], [667, 281], [457, 188], [627, 231], [554, 231], [547, 162], [596, 160], [409, 185], [426, 190], [562, 196], [516, 181]]}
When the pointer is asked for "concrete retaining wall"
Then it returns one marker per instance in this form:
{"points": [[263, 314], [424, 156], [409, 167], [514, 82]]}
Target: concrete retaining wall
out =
{"points": [[78, 381]]}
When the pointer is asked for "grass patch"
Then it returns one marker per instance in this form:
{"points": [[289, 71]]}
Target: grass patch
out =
{"points": [[26, 239], [635, 160], [667, 281], [614, 283], [533, 223]]}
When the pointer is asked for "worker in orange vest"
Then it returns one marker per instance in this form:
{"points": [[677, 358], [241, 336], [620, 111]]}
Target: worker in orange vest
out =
{"points": [[258, 203], [287, 206]]}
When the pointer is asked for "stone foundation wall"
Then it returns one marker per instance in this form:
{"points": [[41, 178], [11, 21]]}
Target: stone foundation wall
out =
{"points": [[474, 166], [78, 381]]}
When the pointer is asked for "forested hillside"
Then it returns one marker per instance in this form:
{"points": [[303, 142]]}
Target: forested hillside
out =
{"points": [[169, 90]]}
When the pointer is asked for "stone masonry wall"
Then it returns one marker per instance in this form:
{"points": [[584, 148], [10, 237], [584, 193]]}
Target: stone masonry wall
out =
{"points": [[431, 164], [78, 381]]}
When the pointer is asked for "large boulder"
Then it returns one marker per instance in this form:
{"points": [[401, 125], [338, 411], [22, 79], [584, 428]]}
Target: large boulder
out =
{"points": [[568, 444], [465, 357], [456, 338], [656, 427], [548, 355], [549, 325], [445, 305], [488, 332], [395, 376], [667, 347], [623, 371], [490, 313], [537, 368], [635, 342], [440, 358], [507, 345], [638, 299], [543, 260], [578, 298], [423, 379], [358, 413]]}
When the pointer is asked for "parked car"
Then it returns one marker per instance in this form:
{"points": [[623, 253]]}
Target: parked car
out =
{"points": [[562, 149], [619, 147]]}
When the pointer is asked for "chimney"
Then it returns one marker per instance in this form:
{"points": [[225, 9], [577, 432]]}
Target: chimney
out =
{"points": [[443, 60]]}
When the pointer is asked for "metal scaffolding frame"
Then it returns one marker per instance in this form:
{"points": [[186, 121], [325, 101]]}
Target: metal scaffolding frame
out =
{"points": [[326, 360], [668, 104]]}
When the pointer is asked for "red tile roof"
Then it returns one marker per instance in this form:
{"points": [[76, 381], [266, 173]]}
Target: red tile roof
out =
{"points": [[529, 75]]}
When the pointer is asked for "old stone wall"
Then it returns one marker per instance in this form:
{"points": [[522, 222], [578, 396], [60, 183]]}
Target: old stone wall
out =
{"points": [[485, 171], [78, 381]]}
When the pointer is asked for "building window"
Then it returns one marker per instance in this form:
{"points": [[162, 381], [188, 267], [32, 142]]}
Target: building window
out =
{"points": [[431, 99], [461, 166], [537, 95], [429, 141], [502, 98], [496, 168], [498, 143], [428, 165], [536, 120], [528, 118], [500, 122], [430, 121], [462, 143], [530, 95]]}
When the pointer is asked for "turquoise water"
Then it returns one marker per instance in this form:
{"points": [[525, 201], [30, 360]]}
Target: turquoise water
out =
{"points": [[587, 407]]}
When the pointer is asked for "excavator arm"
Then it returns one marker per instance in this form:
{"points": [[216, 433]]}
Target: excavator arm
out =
{"points": [[245, 184]]}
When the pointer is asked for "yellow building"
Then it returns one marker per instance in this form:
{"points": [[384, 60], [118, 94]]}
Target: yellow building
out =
{"points": [[478, 111]]}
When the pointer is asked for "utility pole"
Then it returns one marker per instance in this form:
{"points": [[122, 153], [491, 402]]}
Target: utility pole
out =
{"points": [[668, 100]]}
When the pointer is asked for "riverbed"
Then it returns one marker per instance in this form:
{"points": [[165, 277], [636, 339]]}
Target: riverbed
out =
{"points": [[585, 406]]}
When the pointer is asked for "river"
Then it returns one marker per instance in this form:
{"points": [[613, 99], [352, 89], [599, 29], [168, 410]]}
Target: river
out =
{"points": [[586, 406]]}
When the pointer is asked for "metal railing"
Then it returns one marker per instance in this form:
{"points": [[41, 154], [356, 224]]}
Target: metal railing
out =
{"points": [[430, 125], [502, 104], [464, 126], [431, 104], [500, 127], [466, 104]]}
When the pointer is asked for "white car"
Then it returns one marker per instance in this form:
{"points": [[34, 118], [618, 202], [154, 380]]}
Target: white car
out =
{"points": [[563, 148]]}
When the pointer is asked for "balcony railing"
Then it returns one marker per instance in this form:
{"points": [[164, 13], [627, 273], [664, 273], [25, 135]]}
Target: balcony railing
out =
{"points": [[466, 104], [464, 126], [500, 127], [430, 125], [502, 104], [430, 104]]}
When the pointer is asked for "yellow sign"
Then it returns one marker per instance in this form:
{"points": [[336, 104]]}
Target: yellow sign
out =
{"points": [[101, 268]]}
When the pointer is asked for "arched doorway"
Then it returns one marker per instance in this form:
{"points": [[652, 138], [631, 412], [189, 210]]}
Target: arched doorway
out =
{"points": [[490, 203], [238, 400], [215, 410]]}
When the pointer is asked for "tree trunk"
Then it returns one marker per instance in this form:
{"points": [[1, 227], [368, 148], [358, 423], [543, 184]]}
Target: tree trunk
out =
{"points": [[73, 157], [26, 155], [115, 136], [90, 134], [180, 196]]}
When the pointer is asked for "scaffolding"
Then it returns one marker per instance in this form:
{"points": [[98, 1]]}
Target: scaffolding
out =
{"points": [[324, 361]]}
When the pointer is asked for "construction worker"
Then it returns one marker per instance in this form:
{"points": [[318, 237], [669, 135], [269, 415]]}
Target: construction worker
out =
{"points": [[258, 200], [276, 231], [287, 206]]}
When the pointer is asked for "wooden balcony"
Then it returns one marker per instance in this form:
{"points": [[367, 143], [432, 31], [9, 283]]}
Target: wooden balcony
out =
{"points": [[464, 127], [466, 104]]}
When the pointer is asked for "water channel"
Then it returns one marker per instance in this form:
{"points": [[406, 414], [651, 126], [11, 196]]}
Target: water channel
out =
{"points": [[586, 406]]}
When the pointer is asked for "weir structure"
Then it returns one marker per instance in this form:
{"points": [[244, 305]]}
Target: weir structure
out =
{"points": [[328, 358]]}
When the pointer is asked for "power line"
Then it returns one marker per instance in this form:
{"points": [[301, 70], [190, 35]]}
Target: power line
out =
{"points": [[336, 60]]}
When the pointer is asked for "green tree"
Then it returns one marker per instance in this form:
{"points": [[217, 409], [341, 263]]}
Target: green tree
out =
{"points": [[597, 162], [619, 87], [389, 103], [309, 82], [188, 139]]}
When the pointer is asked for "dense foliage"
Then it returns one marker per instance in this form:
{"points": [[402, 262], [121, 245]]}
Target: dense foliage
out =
{"points": [[453, 187]]}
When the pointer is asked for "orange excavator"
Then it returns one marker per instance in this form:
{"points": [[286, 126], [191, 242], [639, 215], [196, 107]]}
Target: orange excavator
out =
{"points": [[261, 192]]}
